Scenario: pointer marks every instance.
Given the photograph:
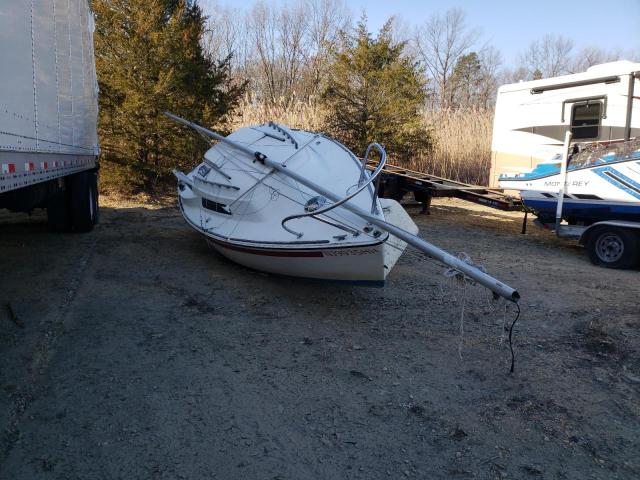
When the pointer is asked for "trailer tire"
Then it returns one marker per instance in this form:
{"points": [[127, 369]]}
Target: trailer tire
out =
{"points": [[613, 247], [84, 201], [59, 212]]}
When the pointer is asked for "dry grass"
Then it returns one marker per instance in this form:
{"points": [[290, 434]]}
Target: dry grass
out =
{"points": [[463, 145], [462, 137], [113, 199], [305, 115]]}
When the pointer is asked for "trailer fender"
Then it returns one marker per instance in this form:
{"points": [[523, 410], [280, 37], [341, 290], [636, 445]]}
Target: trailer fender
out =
{"points": [[584, 237]]}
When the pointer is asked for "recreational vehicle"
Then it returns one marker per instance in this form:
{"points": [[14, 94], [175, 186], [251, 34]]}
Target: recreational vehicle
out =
{"points": [[531, 118]]}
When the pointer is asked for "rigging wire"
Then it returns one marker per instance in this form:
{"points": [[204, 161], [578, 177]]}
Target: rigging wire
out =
{"points": [[248, 203], [464, 296], [409, 252], [229, 155]]}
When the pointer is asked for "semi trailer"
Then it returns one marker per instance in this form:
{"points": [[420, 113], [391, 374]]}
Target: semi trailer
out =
{"points": [[48, 111]]}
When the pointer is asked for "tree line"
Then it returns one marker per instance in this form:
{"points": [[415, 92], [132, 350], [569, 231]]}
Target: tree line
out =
{"points": [[159, 55], [285, 49]]}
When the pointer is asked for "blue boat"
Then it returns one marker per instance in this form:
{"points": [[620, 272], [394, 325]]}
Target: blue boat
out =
{"points": [[602, 183]]}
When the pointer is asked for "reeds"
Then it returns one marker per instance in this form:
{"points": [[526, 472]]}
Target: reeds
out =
{"points": [[462, 138], [298, 114], [462, 145]]}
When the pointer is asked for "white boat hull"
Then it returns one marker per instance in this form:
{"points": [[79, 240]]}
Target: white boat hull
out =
{"points": [[242, 207], [357, 265], [365, 265], [267, 192]]}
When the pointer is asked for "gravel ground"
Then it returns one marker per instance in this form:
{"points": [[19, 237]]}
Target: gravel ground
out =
{"points": [[135, 351]]}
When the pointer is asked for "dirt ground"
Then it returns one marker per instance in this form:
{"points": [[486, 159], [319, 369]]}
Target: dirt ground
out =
{"points": [[135, 351]]}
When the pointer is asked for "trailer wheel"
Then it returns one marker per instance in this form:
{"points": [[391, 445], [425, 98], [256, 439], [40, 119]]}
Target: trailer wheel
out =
{"points": [[84, 201], [613, 247], [59, 212]]}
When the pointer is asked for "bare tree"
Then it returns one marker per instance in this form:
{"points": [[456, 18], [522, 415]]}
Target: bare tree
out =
{"points": [[490, 63], [294, 47], [284, 50], [512, 75], [226, 36], [633, 55], [550, 56], [440, 43], [589, 56], [263, 30], [327, 18]]}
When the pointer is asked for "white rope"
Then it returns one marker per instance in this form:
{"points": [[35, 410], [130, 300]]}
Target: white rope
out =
{"points": [[504, 324], [464, 300]]}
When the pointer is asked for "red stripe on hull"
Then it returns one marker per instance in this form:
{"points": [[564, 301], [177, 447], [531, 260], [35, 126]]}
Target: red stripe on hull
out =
{"points": [[267, 252]]}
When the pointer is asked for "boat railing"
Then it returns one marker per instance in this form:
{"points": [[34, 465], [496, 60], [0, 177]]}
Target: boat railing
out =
{"points": [[363, 171], [284, 131], [363, 183]]}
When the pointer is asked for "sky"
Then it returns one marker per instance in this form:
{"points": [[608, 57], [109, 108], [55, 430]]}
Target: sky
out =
{"points": [[511, 25]]}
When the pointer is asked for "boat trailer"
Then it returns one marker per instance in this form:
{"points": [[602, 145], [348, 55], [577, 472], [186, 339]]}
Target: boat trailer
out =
{"points": [[397, 181]]}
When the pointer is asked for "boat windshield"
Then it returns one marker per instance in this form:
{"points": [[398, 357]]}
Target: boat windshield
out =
{"points": [[599, 154]]}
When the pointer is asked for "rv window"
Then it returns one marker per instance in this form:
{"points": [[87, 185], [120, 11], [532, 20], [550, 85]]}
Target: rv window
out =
{"points": [[585, 120]]}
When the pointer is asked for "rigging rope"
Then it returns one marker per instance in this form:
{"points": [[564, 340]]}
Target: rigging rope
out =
{"points": [[464, 299], [230, 156], [513, 357]]}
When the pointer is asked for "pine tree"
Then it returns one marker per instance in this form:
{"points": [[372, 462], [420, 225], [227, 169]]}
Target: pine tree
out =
{"points": [[375, 93], [149, 59], [466, 81]]}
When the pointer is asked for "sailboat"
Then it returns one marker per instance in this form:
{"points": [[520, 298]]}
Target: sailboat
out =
{"points": [[299, 203]]}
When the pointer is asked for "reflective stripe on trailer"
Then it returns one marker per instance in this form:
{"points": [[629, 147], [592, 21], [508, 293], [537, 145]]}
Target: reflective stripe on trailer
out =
{"points": [[45, 168]]}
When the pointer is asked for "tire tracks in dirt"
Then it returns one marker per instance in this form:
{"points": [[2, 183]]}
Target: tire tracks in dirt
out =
{"points": [[44, 351]]}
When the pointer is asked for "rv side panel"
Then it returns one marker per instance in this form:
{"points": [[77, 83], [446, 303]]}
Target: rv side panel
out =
{"points": [[530, 122]]}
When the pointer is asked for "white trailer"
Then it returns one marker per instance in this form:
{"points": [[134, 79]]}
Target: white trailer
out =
{"points": [[531, 118], [48, 111]]}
